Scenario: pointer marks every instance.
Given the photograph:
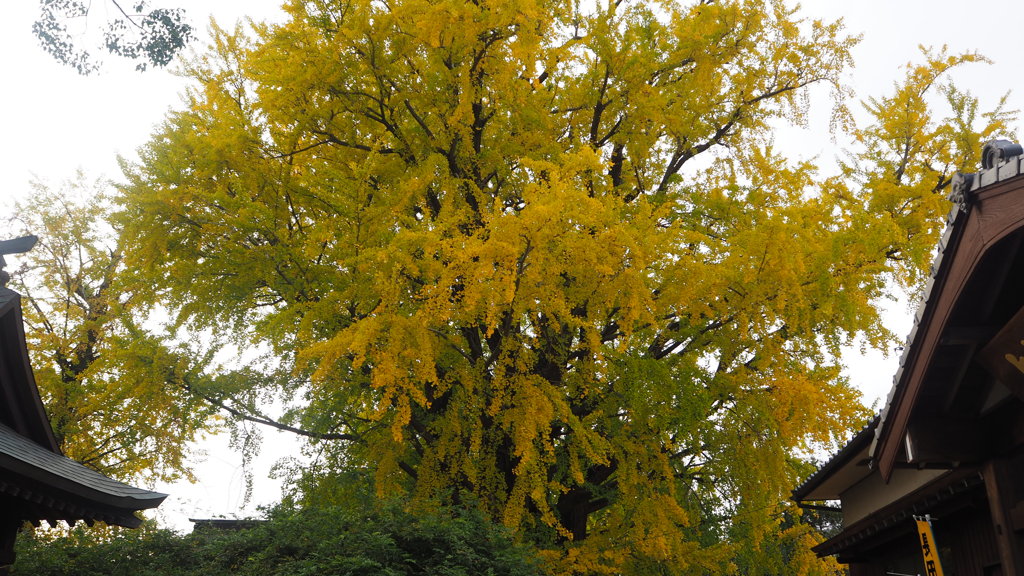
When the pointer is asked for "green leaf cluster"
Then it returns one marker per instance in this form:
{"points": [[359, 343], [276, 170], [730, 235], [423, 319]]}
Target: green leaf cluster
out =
{"points": [[150, 37]]}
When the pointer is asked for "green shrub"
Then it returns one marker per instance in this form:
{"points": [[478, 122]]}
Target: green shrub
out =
{"points": [[311, 542]]}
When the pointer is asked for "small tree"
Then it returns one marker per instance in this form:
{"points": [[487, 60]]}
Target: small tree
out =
{"points": [[117, 396]]}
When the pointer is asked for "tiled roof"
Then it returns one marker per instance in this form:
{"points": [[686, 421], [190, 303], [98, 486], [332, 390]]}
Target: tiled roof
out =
{"points": [[20, 406], [29, 455], [849, 450], [63, 488]]}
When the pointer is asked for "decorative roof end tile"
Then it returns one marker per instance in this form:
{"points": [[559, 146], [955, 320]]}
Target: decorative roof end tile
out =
{"points": [[998, 152]]}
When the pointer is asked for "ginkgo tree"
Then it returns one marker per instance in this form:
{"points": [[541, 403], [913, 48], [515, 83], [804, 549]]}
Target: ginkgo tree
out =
{"points": [[116, 393], [907, 157], [536, 257]]}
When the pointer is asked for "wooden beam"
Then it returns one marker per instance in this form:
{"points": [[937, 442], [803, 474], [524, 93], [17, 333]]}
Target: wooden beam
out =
{"points": [[999, 489], [967, 335], [1003, 356], [940, 440]]}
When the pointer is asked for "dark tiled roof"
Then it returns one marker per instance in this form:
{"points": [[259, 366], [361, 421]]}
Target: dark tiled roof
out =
{"points": [[31, 472], [20, 406], [224, 523], [859, 441]]}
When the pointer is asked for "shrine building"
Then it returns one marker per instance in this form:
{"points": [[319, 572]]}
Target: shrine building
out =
{"points": [[948, 447]]}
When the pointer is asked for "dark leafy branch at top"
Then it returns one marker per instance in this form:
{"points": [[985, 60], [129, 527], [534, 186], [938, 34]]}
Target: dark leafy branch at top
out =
{"points": [[150, 37]]}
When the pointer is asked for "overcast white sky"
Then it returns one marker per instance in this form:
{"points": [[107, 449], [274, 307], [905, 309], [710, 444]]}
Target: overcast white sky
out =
{"points": [[55, 122]]}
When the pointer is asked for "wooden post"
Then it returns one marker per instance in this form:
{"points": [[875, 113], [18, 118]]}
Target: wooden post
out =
{"points": [[8, 534], [999, 490]]}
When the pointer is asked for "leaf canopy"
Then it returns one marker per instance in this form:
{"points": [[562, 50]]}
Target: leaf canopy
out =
{"points": [[537, 255]]}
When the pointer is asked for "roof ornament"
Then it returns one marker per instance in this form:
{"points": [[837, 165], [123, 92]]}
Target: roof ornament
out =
{"points": [[14, 246], [960, 187], [997, 152]]}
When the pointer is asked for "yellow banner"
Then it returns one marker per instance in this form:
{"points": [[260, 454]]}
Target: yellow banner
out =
{"points": [[932, 566]]}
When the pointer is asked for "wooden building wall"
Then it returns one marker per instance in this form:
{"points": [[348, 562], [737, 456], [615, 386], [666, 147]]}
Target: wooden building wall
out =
{"points": [[964, 535]]}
